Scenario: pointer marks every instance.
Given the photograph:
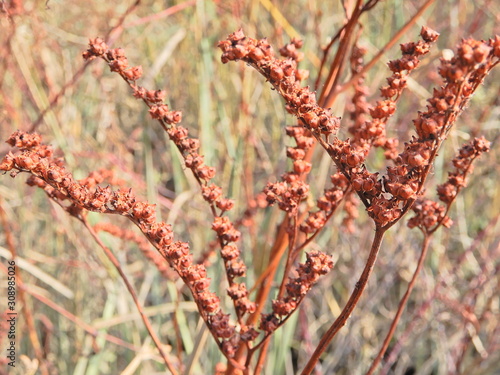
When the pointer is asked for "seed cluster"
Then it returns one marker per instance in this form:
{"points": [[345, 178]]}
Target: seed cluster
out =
{"points": [[430, 215], [327, 204], [292, 188], [386, 198], [373, 131], [308, 273], [51, 175], [188, 147], [284, 76], [463, 166]]}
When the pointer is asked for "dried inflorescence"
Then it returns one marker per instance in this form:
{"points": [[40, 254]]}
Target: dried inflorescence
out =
{"points": [[463, 166], [51, 175], [386, 198], [373, 131], [462, 75], [317, 264], [327, 204], [430, 215], [288, 193], [188, 147], [292, 189], [284, 76], [291, 50]]}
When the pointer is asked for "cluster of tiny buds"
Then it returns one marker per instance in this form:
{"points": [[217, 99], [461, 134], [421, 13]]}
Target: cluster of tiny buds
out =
{"points": [[289, 192], [193, 160], [360, 128], [317, 264], [401, 68], [374, 131], [195, 276], [223, 329], [158, 110], [291, 50], [474, 59], [116, 59], [398, 182], [359, 107], [462, 74], [326, 204], [284, 76], [225, 230], [53, 177], [288, 195], [188, 147], [428, 214], [463, 166], [233, 264], [384, 210]]}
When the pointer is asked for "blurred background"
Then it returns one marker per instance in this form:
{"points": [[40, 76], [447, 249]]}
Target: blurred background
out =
{"points": [[451, 324]]}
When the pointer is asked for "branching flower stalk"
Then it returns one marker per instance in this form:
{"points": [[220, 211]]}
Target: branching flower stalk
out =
{"points": [[389, 198], [50, 174], [212, 193], [430, 216]]}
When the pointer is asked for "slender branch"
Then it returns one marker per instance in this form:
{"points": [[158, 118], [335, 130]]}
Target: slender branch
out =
{"points": [[339, 89], [131, 290], [291, 253], [340, 57], [402, 305], [351, 304]]}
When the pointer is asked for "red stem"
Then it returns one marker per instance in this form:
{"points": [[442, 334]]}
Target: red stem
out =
{"points": [[131, 290], [402, 305], [351, 304]]}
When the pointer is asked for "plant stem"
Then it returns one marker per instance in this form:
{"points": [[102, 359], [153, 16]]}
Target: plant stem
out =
{"points": [[131, 290], [333, 95], [351, 304], [402, 305]]}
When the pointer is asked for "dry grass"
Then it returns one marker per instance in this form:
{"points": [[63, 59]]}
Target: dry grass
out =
{"points": [[96, 123]]}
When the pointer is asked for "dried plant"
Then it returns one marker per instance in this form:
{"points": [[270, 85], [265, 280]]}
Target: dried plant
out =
{"points": [[243, 334]]}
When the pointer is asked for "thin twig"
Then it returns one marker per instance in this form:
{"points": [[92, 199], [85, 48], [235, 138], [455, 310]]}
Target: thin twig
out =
{"points": [[402, 305], [341, 88], [351, 304], [132, 292]]}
